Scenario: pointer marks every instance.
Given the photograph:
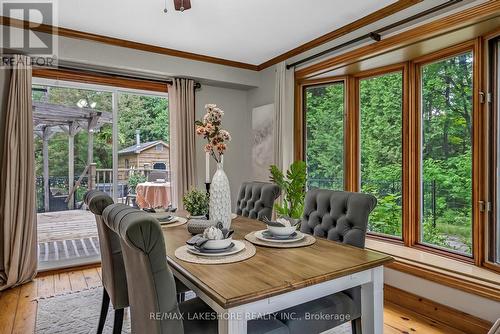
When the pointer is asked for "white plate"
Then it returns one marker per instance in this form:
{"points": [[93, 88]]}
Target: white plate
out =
{"points": [[174, 220], [258, 235], [234, 215], [238, 247]]}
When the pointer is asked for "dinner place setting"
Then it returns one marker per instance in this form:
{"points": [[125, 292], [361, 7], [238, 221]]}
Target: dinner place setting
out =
{"points": [[281, 233], [215, 246]]}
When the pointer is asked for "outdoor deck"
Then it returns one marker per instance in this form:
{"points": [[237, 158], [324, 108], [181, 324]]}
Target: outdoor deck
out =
{"points": [[67, 238], [64, 225]]}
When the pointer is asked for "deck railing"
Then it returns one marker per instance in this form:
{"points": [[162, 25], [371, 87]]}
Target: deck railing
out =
{"points": [[93, 178]]}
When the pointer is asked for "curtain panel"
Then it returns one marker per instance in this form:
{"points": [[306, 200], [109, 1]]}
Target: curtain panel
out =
{"points": [[283, 116], [182, 138], [18, 260]]}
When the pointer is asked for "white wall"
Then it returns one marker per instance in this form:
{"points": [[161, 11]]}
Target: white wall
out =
{"points": [[237, 120], [472, 304], [264, 93]]}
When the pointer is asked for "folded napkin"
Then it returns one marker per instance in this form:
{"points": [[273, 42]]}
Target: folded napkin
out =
{"points": [[165, 219], [197, 241]]}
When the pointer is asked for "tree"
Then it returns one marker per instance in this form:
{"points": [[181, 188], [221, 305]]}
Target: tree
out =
{"points": [[446, 147]]}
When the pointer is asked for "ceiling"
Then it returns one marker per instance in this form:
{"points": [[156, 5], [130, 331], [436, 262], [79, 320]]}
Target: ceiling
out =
{"points": [[249, 31]]}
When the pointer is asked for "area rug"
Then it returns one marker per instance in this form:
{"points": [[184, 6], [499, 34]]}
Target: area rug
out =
{"points": [[75, 313], [78, 313]]}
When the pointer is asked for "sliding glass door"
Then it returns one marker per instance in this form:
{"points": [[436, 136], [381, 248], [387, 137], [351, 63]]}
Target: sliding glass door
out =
{"points": [[143, 142], [73, 140], [90, 137]]}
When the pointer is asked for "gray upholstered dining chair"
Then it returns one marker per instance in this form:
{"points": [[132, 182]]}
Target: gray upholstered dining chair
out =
{"points": [[151, 283], [343, 217], [114, 279], [256, 199]]}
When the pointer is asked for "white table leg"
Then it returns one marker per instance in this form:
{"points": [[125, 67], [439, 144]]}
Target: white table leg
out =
{"points": [[232, 322], [372, 303]]}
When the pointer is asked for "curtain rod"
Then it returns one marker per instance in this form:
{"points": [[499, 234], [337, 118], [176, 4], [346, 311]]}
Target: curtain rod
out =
{"points": [[197, 85], [375, 35]]}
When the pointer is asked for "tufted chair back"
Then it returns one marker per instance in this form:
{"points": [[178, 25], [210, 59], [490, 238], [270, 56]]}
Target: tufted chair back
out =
{"points": [[151, 284], [114, 279], [256, 199], [337, 215]]}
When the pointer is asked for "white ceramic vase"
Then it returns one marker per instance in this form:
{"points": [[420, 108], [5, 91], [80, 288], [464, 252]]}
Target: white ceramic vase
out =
{"points": [[220, 198]]}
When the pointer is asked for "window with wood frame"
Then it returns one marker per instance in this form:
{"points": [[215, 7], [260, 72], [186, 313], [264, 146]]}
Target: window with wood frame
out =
{"points": [[493, 230], [380, 101], [411, 139], [324, 128], [446, 105]]}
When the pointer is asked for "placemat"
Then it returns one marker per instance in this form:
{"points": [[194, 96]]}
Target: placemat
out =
{"points": [[182, 254], [306, 241]]}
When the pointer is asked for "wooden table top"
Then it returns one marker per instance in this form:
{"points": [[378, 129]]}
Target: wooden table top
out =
{"points": [[271, 271]]}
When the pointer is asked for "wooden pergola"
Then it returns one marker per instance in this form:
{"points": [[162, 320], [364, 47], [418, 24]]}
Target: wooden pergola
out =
{"points": [[49, 119]]}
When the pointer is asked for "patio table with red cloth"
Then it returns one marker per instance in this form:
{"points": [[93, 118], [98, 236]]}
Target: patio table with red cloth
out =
{"points": [[153, 195]]}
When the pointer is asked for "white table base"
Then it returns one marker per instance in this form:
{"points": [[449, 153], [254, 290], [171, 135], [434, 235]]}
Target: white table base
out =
{"points": [[234, 320]]}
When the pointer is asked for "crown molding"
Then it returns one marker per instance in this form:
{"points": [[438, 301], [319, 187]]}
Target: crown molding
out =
{"points": [[344, 30], [467, 17], [77, 34]]}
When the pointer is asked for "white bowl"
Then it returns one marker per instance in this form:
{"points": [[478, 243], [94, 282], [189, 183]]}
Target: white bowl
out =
{"points": [[218, 244], [281, 231]]}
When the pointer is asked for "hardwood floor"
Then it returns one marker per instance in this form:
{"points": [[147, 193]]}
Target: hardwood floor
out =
{"points": [[18, 313]]}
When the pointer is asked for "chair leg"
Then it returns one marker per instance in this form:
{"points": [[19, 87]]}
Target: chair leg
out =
{"points": [[356, 326], [117, 325], [104, 311]]}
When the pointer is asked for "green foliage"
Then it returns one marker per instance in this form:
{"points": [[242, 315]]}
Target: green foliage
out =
{"points": [[196, 202], [446, 148], [325, 129], [381, 158], [432, 235], [292, 187], [386, 218], [149, 114], [134, 180]]}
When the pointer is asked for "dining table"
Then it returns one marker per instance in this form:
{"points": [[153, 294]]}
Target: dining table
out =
{"points": [[153, 195], [275, 279]]}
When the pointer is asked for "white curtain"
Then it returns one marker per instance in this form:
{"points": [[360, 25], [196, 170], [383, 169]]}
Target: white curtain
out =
{"points": [[182, 138], [18, 261], [283, 116]]}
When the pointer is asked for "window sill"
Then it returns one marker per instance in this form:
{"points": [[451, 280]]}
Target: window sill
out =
{"points": [[440, 269]]}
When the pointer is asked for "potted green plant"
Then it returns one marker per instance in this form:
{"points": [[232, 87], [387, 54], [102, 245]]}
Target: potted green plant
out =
{"points": [[293, 189], [134, 180], [196, 202]]}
